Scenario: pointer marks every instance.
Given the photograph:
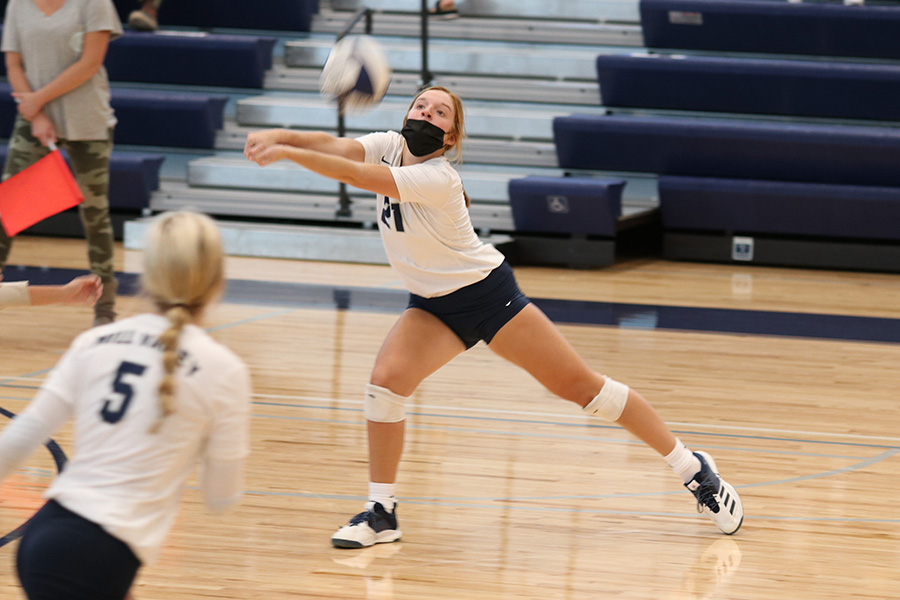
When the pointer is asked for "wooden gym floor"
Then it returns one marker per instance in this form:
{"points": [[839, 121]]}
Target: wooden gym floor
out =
{"points": [[788, 377]]}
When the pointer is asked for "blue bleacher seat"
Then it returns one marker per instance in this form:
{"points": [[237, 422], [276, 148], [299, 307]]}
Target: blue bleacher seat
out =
{"points": [[744, 85], [728, 148], [132, 178], [153, 118], [571, 205], [190, 58], [814, 28], [284, 15], [769, 207]]}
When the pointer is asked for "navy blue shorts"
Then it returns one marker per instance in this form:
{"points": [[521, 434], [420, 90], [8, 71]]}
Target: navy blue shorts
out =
{"points": [[477, 311], [63, 556]]}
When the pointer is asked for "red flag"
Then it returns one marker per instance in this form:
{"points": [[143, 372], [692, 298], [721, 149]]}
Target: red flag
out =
{"points": [[45, 188]]}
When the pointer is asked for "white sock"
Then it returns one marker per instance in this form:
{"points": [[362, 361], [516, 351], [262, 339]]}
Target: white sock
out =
{"points": [[683, 461], [383, 493]]}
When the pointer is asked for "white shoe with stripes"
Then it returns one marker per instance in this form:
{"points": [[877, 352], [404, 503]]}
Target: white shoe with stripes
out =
{"points": [[375, 525], [716, 498]]}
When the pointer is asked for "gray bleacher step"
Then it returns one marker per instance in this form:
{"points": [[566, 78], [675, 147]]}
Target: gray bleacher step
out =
{"points": [[475, 150], [622, 11], [509, 30], [299, 206], [285, 241], [513, 120], [302, 242], [586, 93], [497, 59], [485, 184]]}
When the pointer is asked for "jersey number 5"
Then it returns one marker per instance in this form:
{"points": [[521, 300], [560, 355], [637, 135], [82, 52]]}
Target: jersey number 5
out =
{"points": [[123, 388]]}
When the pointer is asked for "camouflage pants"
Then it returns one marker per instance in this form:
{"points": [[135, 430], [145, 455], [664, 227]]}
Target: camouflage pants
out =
{"points": [[90, 163]]}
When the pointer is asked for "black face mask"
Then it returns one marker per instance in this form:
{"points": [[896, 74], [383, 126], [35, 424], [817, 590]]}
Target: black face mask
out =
{"points": [[422, 138]]}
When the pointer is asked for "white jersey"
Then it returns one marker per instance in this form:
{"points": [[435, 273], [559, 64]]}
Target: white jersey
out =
{"points": [[427, 233], [120, 475]]}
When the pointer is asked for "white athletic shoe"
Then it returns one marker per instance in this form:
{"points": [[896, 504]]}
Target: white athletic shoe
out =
{"points": [[716, 498], [375, 525]]}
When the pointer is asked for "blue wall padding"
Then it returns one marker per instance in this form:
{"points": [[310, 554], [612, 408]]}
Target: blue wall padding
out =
{"points": [[7, 110], [190, 59], [730, 149], [132, 178], [742, 85], [575, 205], [768, 207], [826, 29], [152, 118]]}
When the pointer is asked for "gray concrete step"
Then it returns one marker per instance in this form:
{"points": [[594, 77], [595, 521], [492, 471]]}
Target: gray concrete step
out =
{"points": [[469, 87], [472, 27], [485, 58], [484, 183], [285, 241], [487, 185], [620, 11], [476, 150], [300, 206], [510, 120], [303, 242]]}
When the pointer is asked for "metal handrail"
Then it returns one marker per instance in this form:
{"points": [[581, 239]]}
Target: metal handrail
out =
{"points": [[344, 201], [426, 77]]}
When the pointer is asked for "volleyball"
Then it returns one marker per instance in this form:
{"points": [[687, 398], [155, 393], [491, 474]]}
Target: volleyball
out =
{"points": [[357, 72]]}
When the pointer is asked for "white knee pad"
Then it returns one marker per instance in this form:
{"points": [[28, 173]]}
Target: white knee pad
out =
{"points": [[384, 406], [610, 402]]}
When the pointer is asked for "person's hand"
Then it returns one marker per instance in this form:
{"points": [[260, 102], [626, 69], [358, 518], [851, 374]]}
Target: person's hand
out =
{"points": [[270, 154], [42, 128], [28, 104], [82, 290], [260, 141]]}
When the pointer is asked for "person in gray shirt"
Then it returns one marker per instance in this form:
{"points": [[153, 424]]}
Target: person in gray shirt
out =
{"points": [[54, 52]]}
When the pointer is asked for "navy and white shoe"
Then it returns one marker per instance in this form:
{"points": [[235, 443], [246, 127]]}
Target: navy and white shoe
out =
{"points": [[716, 498], [375, 525]]}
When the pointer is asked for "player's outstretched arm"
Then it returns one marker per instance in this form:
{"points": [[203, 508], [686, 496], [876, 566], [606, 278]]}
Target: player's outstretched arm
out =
{"points": [[81, 290], [319, 141]]}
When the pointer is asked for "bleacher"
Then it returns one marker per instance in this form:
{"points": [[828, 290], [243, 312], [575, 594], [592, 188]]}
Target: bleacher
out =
{"points": [[771, 127], [588, 122]]}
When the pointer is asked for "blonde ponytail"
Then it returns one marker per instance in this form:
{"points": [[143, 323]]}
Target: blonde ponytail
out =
{"points": [[178, 317], [183, 272]]}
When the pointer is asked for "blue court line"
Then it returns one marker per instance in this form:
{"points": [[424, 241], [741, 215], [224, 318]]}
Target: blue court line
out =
{"points": [[617, 314], [590, 426], [59, 457]]}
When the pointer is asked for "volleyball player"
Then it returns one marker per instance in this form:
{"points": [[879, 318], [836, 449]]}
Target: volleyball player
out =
{"points": [[150, 396], [461, 291]]}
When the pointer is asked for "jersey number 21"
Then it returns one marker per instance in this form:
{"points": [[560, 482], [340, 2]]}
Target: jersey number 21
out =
{"points": [[392, 209]]}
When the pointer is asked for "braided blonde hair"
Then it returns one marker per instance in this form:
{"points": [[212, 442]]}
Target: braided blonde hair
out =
{"points": [[184, 271]]}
